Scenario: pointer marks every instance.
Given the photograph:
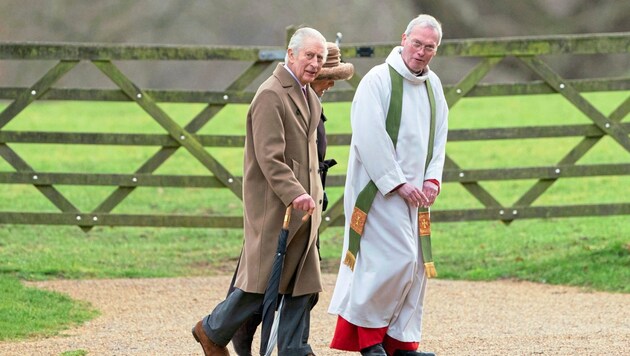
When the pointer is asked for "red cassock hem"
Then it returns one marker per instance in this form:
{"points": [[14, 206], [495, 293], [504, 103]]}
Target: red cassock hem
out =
{"points": [[350, 337]]}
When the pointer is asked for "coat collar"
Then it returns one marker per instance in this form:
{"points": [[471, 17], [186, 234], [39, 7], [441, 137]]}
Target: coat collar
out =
{"points": [[310, 112]]}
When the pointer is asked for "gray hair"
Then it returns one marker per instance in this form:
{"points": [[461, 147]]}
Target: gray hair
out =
{"points": [[297, 41], [425, 20]]}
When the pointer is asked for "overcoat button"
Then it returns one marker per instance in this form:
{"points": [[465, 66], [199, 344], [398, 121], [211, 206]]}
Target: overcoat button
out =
{"points": [[320, 201]]}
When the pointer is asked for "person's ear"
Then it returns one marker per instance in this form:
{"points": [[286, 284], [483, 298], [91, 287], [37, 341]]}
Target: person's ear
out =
{"points": [[290, 55]]}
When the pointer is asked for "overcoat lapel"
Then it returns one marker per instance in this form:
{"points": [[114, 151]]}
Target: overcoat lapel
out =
{"points": [[298, 98], [295, 95]]}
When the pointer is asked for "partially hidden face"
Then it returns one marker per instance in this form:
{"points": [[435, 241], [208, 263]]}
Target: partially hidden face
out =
{"points": [[320, 86], [308, 61]]}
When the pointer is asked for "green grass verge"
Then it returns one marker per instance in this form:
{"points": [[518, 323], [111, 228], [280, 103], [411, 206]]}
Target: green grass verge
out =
{"points": [[75, 353], [592, 253], [27, 312], [43, 252]]}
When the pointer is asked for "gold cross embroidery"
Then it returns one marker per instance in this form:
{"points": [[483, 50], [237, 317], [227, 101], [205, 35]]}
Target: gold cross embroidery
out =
{"points": [[357, 222], [424, 224]]}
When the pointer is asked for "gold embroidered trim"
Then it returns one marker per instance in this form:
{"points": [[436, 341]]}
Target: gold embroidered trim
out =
{"points": [[429, 269], [349, 260], [424, 223], [358, 220]]}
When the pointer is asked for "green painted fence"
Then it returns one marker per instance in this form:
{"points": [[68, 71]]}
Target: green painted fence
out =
{"points": [[531, 52]]}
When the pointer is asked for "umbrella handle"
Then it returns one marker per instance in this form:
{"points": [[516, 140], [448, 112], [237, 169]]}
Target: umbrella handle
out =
{"points": [[287, 217]]}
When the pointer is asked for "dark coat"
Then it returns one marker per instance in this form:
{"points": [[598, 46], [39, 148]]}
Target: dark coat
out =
{"points": [[324, 164], [280, 164]]}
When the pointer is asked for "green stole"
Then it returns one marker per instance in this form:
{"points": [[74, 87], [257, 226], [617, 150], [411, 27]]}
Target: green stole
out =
{"points": [[366, 196]]}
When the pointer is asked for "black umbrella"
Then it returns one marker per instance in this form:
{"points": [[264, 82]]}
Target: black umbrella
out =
{"points": [[270, 301]]}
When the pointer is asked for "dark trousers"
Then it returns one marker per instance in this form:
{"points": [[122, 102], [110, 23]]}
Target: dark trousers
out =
{"points": [[239, 306]]}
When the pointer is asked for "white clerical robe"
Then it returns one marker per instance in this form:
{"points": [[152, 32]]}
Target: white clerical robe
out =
{"points": [[388, 283]]}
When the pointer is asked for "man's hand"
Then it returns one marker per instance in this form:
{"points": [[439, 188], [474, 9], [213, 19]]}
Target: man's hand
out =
{"points": [[304, 202], [430, 191], [412, 194]]}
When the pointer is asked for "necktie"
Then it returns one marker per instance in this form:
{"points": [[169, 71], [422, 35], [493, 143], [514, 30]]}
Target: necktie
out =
{"points": [[305, 95]]}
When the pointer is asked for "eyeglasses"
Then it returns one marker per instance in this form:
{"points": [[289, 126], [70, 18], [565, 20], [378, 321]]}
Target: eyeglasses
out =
{"points": [[417, 45]]}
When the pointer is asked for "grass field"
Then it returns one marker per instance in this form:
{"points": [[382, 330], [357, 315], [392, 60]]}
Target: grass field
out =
{"points": [[591, 252]]}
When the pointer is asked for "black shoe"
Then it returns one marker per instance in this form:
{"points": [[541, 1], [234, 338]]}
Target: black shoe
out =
{"points": [[244, 336], [376, 350], [242, 342], [412, 353]]}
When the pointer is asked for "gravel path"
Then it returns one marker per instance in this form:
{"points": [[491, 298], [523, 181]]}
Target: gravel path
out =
{"points": [[154, 317]]}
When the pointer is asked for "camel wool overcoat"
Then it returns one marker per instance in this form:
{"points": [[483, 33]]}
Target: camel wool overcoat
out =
{"points": [[280, 164]]}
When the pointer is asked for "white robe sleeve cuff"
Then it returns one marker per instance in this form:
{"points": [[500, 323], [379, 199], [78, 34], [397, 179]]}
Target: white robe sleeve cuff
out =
{"points": [[391, 180]]}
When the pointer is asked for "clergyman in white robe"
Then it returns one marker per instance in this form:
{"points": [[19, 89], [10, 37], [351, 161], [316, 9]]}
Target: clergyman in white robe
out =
{"points": [[388, 284]]}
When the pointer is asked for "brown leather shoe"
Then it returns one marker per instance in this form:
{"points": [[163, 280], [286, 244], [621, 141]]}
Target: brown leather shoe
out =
{"points": [[209, 347]]}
